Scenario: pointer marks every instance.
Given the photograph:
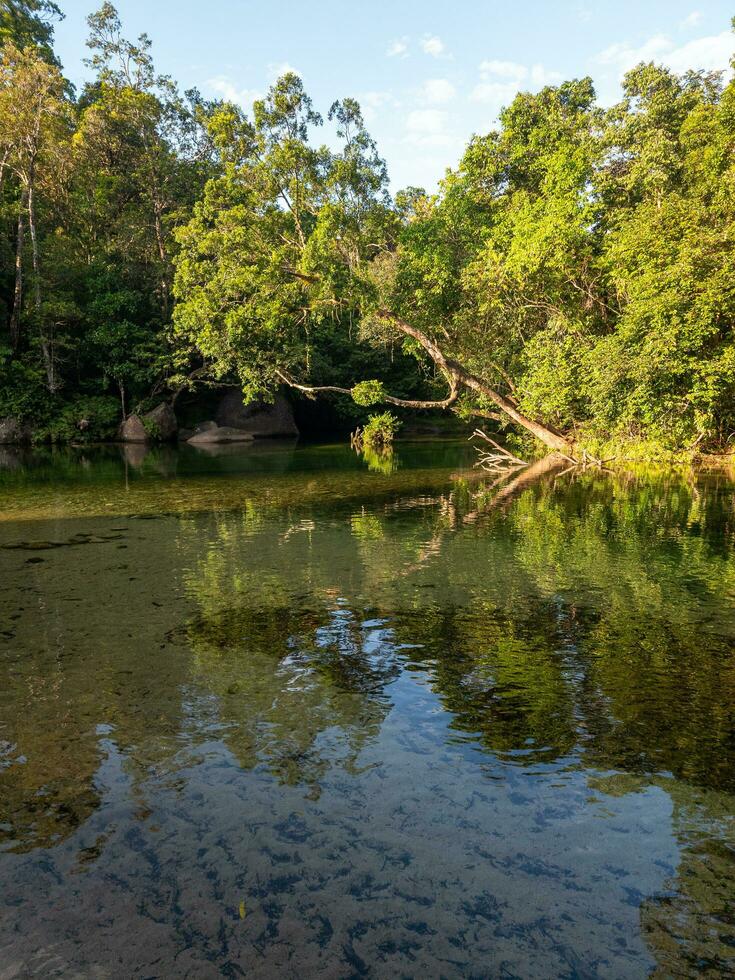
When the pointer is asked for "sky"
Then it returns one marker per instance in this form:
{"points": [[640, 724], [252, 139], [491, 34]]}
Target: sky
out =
{"points": [[428, 73]]}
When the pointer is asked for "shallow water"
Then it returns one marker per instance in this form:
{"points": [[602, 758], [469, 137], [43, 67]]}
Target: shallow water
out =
{"points": [[272, 713]]}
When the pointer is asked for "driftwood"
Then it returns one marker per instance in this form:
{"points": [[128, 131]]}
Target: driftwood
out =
{"points": [[497, 459]]}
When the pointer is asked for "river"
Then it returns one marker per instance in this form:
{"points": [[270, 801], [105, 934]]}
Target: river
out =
{"points": [[280, 711]]}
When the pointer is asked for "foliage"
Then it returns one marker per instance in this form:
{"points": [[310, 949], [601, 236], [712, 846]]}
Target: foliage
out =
{"points": [[379, 430], [573, 276], [91, 190], [83, 419], [29, 23], [368, 393], [152, 429]]}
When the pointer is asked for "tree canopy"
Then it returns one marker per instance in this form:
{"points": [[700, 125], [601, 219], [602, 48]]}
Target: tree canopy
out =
{"points": [[571, 277]]}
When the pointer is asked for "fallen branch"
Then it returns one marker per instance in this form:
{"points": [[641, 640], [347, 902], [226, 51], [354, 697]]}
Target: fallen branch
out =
{"points": [[501, 459]]}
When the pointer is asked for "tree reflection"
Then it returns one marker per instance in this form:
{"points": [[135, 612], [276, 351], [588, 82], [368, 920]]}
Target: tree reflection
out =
{"points": [[285, 678], [580, 622]]}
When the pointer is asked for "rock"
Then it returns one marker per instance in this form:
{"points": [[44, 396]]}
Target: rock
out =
{"points": [[219, 433], [159, 424], [260, 419], [13, 432], [162, 422], [186, 434], [132, 430]]}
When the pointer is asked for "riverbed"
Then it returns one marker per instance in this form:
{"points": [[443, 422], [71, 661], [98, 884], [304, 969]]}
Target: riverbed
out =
{"points": [[282, 711]]}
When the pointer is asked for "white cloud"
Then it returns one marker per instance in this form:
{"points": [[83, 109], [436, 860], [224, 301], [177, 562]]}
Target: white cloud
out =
{"points": [[438, 91], [494, 93], [502, 69], [624, 57], [691, 20], [541, 76], [278, 68], [397, 48], [428, 127], [228, 90], [433, 45], [372, 102], [710, 53], [501, 80]]}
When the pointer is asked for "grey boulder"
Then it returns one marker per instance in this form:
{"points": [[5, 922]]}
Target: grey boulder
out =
{"points": [[162, 421], [263, 420], [132, 430], [158, 424]]}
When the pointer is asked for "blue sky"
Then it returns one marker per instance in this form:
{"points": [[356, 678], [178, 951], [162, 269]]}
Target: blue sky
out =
{"points": [[428, 73]]}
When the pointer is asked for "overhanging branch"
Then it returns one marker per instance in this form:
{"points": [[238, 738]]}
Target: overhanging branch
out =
{"points": [[313, 390]]}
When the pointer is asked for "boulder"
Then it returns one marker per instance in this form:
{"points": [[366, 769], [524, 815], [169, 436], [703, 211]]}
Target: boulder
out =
{"points": [[13, 432], [132, 430], [186, 434], [262, 420], [162, 422], [219, 433]]}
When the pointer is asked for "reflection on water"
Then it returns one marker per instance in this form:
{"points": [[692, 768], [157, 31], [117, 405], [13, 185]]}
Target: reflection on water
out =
{"points": [[278, 712]]}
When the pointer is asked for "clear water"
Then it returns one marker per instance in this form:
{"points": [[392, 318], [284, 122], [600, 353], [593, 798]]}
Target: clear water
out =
{"points": [[275, 713]]}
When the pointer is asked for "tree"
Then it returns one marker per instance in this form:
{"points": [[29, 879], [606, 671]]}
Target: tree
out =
{"points": [[293, 240], [667, 370], [33, 133], [29, 23]]}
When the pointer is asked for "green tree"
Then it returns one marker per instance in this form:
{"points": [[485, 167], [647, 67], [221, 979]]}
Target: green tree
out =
{"points": [[294, 242], [34, 134], [29, 23]]}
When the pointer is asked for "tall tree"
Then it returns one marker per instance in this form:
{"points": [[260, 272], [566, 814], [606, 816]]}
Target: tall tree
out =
{"points": [[29, 23], [34, 128], [294, 239]]}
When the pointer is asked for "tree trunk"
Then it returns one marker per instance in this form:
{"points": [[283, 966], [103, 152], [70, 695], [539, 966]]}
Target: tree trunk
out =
{"points": [[34, 249], [162, 257], [47, 343], [3, 166], [458, 375], [18, 291]]}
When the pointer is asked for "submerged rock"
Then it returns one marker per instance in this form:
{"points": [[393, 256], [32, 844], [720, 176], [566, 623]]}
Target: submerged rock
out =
{"points": [[261, 419], [219, 433]]}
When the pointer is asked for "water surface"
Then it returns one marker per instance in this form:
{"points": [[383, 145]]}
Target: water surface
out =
{"points": [[274, 712]]}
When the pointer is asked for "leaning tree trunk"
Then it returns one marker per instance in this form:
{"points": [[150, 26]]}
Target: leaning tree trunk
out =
{"points": [[457, 375]]}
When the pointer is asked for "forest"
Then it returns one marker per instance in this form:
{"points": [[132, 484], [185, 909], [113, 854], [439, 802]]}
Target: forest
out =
{"points": [[572, 280]]}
